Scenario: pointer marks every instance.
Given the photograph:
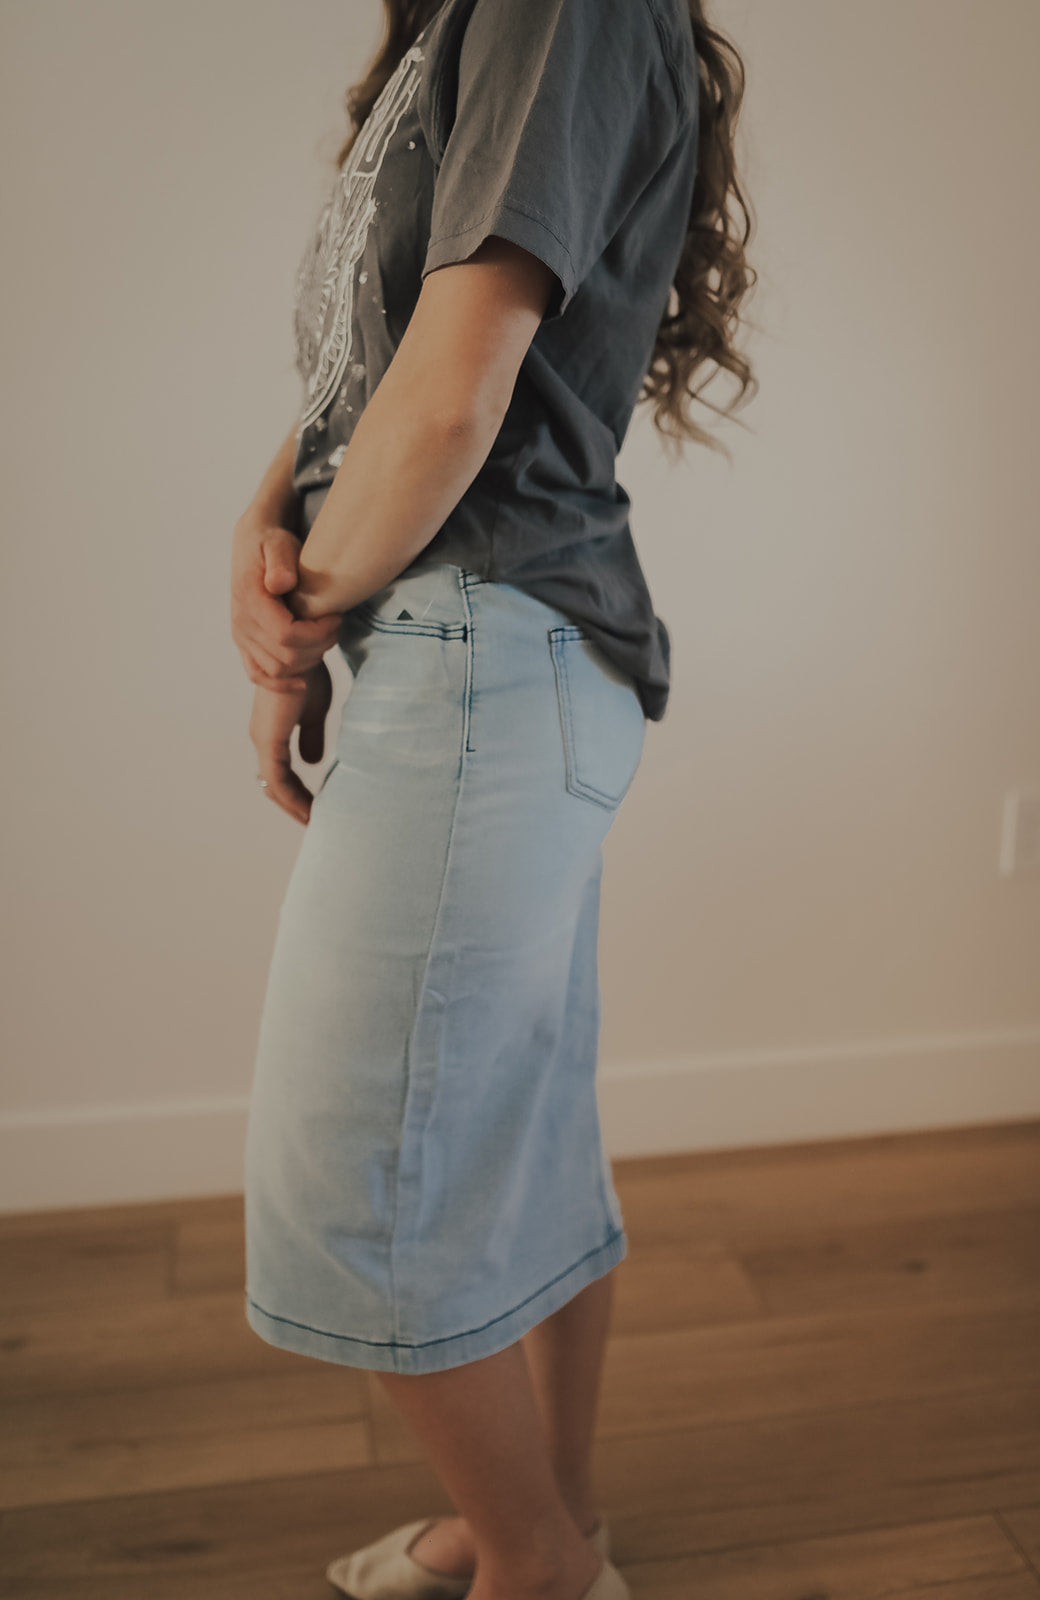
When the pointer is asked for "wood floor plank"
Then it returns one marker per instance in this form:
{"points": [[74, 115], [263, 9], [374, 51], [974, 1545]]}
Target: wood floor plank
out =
{"points": [[241, 1541], [783, 1478], [787, 1366], [776, 1192], [1022, 1524], [669, 1497], [84, 1446], [209, 1253], [658, 1287], [793, 1364], [108, 1219], [987, 1256], [194, 1339], [822, 1380], [959, 1559], [85, 1267]]}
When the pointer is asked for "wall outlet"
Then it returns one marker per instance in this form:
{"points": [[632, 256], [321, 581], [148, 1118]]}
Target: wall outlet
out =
{"points": [[1020, 833]]}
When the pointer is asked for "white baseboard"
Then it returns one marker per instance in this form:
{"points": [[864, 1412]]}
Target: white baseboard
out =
{"points": [[108, 1155]]}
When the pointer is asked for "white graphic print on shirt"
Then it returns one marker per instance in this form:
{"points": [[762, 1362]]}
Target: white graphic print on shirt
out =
{"points": [[323, 298]]}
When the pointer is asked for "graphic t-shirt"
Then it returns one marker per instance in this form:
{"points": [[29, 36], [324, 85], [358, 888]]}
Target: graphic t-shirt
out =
{"points": [[569, 127]]}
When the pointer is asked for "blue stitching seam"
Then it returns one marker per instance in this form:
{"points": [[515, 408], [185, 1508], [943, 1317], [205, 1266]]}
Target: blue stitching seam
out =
{"points": [[422, 986], [447, 1338], [467, 702], [576, 784], [435, 630]]}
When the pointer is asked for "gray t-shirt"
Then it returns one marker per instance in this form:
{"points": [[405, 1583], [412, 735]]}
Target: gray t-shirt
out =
{"points": [[569, 127]]}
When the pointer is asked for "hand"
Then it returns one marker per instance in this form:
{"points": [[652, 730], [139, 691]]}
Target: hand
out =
{"points": [[277, 649], [274, 716]]}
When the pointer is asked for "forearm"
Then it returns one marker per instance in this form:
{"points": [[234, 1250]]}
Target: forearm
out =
{"points": [[407, 465], [275, 500]]}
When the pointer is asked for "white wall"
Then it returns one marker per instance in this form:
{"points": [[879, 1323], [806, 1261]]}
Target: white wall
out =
{"points": [[804, 930]]}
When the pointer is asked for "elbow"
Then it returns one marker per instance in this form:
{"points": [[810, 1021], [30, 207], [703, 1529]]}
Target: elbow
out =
{"points": [[475, 408], [457, 422], [468, 421]]}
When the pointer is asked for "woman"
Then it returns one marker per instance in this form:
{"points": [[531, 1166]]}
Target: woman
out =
{"points": [[517, 246]]}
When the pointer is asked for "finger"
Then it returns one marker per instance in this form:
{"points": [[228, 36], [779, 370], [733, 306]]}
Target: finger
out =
{"points": [[258, 657], [281, 552], [304, 661], [286, 789], [267, 624], [325, 629], [317, 631], [284, 664], [275, 658], [280, 684], [264, 620], [304, 642]]}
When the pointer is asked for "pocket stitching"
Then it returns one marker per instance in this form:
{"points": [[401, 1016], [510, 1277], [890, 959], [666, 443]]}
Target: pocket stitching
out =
{"points": [[435, 630], [574, 785]]}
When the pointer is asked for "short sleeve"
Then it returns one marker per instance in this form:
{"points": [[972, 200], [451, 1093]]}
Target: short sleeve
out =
{"points": [[563, 114]]}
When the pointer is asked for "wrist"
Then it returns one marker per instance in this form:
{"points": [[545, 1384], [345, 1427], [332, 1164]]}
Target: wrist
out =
{"points": [[313, 597]]}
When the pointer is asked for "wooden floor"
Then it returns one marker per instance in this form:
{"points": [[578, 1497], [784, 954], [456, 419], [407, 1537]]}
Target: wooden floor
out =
{"points": [[823, 1384]]}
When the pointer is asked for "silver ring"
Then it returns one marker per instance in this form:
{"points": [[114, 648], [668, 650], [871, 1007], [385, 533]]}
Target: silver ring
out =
{"points": [[261, 781]]}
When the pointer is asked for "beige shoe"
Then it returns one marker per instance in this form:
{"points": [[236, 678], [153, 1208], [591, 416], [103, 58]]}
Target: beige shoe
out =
{"points": [[386, 1571]]}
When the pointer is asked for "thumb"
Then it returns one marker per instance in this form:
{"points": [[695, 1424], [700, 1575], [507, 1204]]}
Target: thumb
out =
{"points": [[281, 561]]}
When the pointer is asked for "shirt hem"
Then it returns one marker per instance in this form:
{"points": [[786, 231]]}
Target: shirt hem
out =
{"points": [[508, 221]]}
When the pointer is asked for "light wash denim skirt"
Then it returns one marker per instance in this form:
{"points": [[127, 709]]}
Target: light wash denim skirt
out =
{"points": [[425, 1176]]}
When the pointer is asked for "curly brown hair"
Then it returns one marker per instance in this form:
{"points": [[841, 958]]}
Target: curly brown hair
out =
{"points": [[713, 276]]}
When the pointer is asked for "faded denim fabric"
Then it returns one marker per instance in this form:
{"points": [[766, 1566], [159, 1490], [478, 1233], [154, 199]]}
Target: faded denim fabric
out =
{"points": [[570, 128], [425, 1176]]}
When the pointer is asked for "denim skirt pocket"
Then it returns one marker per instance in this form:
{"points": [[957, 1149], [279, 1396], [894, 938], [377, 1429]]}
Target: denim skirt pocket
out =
{"points": [[422, 603], [424, 599], [378, 617], [602, 722]]}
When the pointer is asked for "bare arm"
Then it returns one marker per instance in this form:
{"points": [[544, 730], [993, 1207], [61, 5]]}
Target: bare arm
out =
{"points": [[427, 429], [276, 649], [417, 446], [275, 500]]}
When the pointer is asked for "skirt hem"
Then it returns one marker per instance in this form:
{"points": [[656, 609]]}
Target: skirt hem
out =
{"points": [[437, 1354]]}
